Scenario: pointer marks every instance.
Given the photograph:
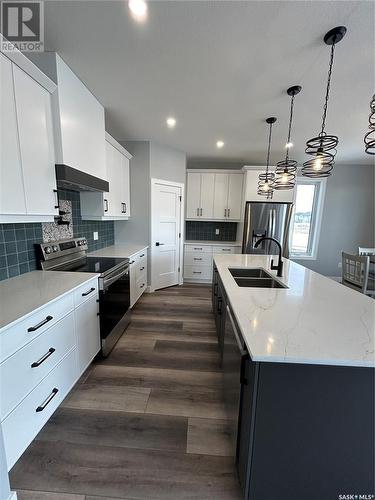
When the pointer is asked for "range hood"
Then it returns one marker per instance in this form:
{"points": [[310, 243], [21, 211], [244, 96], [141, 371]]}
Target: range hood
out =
{"points": [[75, 180]]}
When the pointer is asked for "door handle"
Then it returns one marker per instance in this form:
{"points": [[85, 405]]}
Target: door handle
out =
{"points": [[225, 212], [198, 212], [105, 205], [159, 244], [201, 212], [88, 292], [51, 350], [48, 400], [57, 198], [34, 328], [228, 212]]}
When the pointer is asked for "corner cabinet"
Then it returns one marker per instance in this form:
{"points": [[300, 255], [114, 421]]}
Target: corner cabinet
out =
{"points": [[114, 205], [214, 195], [27, 167]]}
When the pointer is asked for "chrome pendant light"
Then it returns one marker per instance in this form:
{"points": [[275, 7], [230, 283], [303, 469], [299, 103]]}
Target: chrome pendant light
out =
{"points": [[370, 136], [285, 173], [323, 147], [266, 179]]}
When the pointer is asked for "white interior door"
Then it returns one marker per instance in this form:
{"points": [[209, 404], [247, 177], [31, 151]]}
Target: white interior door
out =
{"points": [[166, 229]]}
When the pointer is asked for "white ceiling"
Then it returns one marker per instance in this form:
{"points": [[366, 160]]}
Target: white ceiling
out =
{"points": [[221, 68]]}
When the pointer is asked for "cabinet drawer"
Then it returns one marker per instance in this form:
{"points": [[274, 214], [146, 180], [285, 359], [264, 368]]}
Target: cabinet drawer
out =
{"points": [[141, 269], [23, 332], [141, 284], [198, 272], [198, 259], [20, 373], [26, 420], [224, 249], [198, 248], [86, 291]]}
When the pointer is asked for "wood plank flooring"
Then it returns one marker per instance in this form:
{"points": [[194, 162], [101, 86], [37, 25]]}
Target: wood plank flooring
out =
{"points": [[146, 423]]}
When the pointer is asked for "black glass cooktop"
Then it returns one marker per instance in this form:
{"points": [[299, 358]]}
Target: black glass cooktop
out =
{"points": [[100, 265]]}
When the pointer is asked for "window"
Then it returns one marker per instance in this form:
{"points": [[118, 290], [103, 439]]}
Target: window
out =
{"points": [[308, 209]]}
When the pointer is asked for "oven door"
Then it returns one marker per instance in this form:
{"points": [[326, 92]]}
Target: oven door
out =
{"points": [[114, 304]]}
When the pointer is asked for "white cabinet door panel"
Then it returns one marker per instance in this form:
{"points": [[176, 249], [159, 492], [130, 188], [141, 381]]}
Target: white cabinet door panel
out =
{"points": [[193, 195], [125, 186], [87, 332], [33, 105], [221, 196], [234, 196], [207, 195], [12, 195]]}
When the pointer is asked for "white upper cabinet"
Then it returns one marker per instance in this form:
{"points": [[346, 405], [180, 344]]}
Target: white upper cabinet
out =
{"points": [[251, 188], [12, 195], [27, 169], [200, 195], [215, 195], [79, 124], [114, 205]]}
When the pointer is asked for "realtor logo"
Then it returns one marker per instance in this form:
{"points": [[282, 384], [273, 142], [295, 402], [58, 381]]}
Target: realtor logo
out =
{"points": [[22, 25]]}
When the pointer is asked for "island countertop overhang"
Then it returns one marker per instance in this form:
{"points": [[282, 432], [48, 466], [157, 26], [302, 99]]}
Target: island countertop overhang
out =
{"points": [[314, 321]]}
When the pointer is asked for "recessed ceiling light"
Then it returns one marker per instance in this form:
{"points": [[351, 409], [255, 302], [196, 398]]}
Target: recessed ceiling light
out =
{"points": [[219, 144], [138, 9], [171, 122]]}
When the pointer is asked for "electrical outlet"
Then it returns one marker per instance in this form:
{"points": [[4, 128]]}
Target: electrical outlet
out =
{"points": [[96, 235], [217, 231]]}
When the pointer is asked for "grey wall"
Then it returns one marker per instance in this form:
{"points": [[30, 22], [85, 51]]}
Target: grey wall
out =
{"points": [[348, 217], [166, 163]]}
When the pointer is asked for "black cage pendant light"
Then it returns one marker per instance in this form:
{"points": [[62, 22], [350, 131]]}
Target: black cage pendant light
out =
{"points": [[323, 147], [370, 136], [266, 179], [285, 173]]}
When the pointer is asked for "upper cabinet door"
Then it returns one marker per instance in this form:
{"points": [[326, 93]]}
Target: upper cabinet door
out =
{"points": [[234, 196], [33, 106], [221, 196], [12, 194], [80, 118], [125, 186], [193, 199], [207, 196]]}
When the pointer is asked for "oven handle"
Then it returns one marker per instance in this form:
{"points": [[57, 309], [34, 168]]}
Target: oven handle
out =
{"points": [[108, 282]]}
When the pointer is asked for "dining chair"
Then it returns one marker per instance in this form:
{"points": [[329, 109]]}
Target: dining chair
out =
{"points": [[355, 272]]}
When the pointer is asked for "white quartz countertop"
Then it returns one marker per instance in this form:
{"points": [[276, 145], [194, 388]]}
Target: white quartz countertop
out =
{"points": [[124, 250], [314, 321], [25, 294], [215, 242]]}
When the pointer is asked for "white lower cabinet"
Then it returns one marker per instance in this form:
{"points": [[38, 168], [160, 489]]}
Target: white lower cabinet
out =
{"points": [[138, 275], [24, 423], [87, 331], [41, 358], [198, 258]]}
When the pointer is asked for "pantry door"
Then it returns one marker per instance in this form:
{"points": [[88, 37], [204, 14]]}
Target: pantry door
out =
{"points": [[166, 233]]}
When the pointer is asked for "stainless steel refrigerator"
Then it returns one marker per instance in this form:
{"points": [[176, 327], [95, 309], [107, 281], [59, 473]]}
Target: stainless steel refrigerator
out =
{"points": [[266, 219]]}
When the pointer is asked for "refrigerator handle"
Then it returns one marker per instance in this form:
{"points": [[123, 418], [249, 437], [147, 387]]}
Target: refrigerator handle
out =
{"points": [[273, 222]]}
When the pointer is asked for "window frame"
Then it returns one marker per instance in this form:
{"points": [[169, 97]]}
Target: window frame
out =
{"points": [[316, 220]]}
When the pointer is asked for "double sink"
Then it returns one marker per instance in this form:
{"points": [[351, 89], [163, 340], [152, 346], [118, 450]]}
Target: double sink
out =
{"points": [[255, 278]]}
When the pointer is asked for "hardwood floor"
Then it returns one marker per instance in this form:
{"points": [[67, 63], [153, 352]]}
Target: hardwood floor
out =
{"points": [[148, 422]]}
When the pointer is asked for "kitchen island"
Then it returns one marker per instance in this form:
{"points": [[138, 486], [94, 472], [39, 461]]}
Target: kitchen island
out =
{"points": [[298, 367]]}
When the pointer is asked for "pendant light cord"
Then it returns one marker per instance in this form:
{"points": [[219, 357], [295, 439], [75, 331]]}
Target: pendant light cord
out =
{"points": [[290, 128], [269, 148], [328, 88]]}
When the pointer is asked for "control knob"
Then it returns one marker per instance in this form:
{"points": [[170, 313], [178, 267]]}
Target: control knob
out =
{"points": [[55, 248], [47, 249]]}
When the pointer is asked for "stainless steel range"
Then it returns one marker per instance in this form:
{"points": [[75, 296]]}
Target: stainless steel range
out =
{"points": [[114, 286]]}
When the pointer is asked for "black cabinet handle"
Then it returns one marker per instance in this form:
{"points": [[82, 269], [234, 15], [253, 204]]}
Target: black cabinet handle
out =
{"points": [[132, 262], [243, 379], [144, 254], [124, 208], [142, 285], [198, 248], [197, 272], [34, 328], [196, 258], [88, 292], [141, 269], [219, 304], [57, 198], [51, 350], [105, 205], [157, 244], [48, 400]]}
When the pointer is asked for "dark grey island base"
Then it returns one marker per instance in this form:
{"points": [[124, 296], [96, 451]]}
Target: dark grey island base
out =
{"points": [[304, 431]]}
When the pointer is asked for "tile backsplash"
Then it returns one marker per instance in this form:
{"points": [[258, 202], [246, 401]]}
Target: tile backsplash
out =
{"points": [[199, 230], [17, 254]]}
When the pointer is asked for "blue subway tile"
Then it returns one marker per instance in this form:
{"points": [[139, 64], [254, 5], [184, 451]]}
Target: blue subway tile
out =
{"points": [[10, 247], [13, 271], [4, 274], [12, 259], [9, 235], [24, 268]]}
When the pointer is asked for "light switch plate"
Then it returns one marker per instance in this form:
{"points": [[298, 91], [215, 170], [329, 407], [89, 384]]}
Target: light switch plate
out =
{"points": [[217, 231], [96, 235]]}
